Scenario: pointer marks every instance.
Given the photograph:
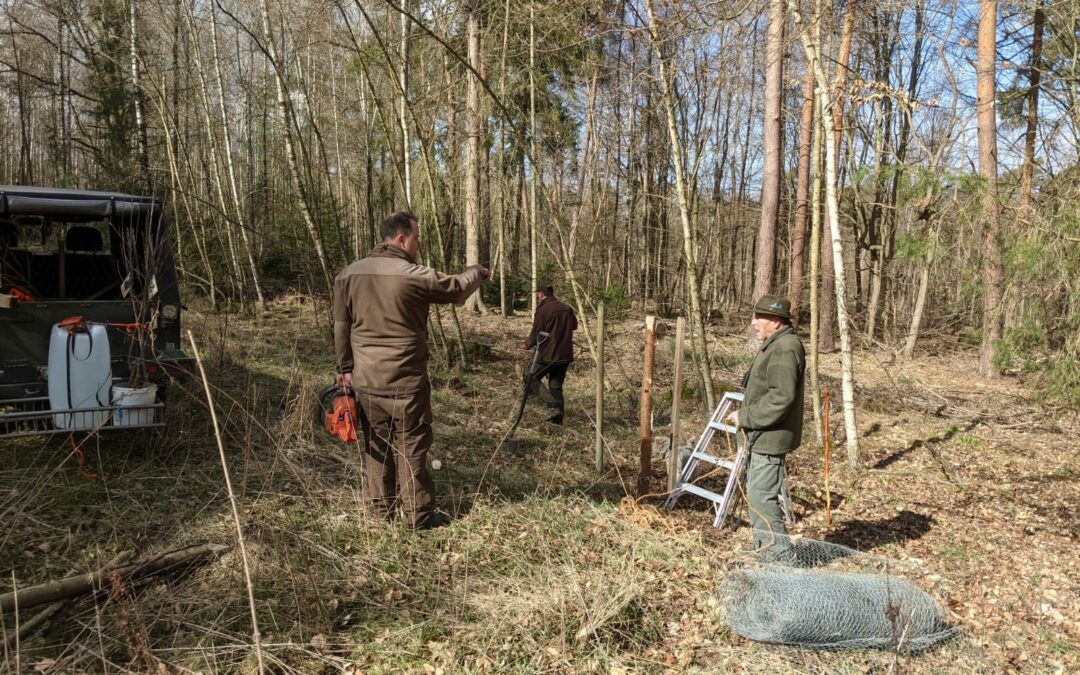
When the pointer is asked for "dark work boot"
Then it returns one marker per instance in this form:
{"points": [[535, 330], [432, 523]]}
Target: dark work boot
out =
{"points": [[435, 519]]}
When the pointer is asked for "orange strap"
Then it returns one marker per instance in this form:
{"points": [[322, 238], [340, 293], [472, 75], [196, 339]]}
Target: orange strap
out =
{"points": [[72, 323], [129, 328], [21, 295]]}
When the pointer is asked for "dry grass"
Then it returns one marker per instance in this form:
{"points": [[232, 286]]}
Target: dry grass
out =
{"points": [[546, 568]]}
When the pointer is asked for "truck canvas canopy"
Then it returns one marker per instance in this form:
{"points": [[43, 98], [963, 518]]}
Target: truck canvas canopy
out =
{"points": [[103, 256]]}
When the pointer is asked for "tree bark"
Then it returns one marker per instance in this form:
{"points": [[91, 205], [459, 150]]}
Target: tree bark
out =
{"points": [[986, 113], [802, 196], [534, 173], [472, 155], [765, 260], [1027, 171], [815, 264], [403, 106], [826, 336]]}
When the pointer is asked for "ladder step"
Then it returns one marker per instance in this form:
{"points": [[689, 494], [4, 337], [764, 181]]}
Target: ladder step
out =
{"points": [[715, 461], [700, 492], [720, 426]]}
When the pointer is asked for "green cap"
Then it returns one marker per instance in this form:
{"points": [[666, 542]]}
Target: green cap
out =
{"points": [[773, 305]]}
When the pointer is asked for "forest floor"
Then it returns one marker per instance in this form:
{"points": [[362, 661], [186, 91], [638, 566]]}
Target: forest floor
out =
{"points": [[547, 567]]}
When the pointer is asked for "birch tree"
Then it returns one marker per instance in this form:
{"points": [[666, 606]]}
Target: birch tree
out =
{"points": [[825, 103], [701, 345]]}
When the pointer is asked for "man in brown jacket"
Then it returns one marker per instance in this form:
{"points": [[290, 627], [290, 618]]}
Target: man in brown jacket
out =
{"points": [[380, 337], [556, 319]]}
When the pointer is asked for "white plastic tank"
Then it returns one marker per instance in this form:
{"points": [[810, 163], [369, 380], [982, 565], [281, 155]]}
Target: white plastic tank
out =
{"points": [[80, 375]]}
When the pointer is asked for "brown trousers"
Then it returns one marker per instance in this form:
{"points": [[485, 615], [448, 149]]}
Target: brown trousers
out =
{"points": [[398, 434]]}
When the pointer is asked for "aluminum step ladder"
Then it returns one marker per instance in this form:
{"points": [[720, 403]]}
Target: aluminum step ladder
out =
{"points": [[723, 504]]}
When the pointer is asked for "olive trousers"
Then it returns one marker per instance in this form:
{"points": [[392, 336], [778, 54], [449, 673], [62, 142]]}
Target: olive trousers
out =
{"points": [[764, 479], [397, 433]]}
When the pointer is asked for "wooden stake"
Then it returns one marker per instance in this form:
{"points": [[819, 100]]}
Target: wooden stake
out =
{"points": [[676, 399], [646, 407], [825, 437], [600, 387]]}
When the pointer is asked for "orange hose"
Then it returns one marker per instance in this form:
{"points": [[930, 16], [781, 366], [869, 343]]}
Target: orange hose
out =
{"points": [[83, 471]]}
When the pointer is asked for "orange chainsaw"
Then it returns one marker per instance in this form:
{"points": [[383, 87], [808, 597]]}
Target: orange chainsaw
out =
{"points": [[339, 413]]}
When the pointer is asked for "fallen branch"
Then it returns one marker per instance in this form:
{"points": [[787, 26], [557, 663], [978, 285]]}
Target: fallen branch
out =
{"points": [[93, 582], [28, 628]]}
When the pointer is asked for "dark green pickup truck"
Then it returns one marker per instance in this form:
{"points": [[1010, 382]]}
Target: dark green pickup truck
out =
{"points": [[105, 257]]}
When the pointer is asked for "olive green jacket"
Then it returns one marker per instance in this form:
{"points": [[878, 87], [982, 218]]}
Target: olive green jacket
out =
{"points": [[380, 318], [773, 400]]}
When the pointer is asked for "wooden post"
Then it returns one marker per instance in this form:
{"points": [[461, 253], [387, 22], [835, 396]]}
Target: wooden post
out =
{"points": [[646, 407], [676, 399], [600, 387]]}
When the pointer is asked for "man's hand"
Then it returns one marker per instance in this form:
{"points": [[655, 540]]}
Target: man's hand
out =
{"points": [[344, 380], [733, 418], [485, 273]]}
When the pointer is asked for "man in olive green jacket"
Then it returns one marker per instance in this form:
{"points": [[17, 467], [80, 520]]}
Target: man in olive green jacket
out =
{"points": [[380, 338], [771, 415]]}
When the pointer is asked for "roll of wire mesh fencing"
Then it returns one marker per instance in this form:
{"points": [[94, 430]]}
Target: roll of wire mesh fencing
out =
{"points": [[818, 595]]}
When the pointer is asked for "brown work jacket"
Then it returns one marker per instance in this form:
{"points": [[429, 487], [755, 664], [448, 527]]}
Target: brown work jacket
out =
{"points": [[558, 320], [380, 318]]}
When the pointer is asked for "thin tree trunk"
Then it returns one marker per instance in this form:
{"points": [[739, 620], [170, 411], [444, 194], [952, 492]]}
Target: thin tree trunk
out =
{"points": [[815, 261], [26, 164], [888, 238], [403, 105], [1027, 171], [566, 242], [136, 95], [829, 312], [689, 255], [504, 309], [215, 170], [765, 259], [180, 195], [847, 370], [290, 149], [986, 113], [920, 297], [238, 207], [472, 155], [534, 174], [802, 194]]}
